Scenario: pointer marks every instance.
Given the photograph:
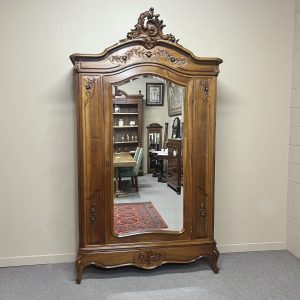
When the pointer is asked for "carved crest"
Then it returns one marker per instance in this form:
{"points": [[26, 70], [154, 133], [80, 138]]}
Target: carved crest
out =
{"points": [[149, 28], [154, 125]]}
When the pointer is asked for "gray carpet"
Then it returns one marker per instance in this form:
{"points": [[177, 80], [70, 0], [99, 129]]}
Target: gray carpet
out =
{"points": [[251, 275]]}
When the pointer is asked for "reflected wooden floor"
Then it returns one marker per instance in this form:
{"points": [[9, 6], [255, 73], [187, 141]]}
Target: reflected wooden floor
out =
{"points": [[165, 200]]}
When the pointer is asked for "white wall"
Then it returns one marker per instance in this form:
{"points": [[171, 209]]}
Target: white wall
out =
{"points": [[38, 126], [293, 220]]}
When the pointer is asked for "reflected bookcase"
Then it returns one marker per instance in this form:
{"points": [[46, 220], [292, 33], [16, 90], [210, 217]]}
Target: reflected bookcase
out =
{"points": [[127, 121]]}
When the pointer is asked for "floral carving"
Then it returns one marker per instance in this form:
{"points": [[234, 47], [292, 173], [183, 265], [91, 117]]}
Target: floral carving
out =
{"points": [[149, 259], [89, 87], [202, 212], [149, 28], [205, 89], [141, 53], [92, 208]]}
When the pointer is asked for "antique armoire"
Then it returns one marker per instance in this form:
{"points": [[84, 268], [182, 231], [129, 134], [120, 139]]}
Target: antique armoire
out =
{"points": [[145, 50]]}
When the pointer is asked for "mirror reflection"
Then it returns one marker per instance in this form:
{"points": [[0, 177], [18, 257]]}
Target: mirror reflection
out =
{"points": [[148, 155]]}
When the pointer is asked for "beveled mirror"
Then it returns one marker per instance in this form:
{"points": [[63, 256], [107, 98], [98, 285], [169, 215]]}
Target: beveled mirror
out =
{"points": [[128, 215]]}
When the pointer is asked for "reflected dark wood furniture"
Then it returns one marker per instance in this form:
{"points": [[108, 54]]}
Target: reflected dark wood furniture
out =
{"points": [[174, 164], [161, 158], [128, 136], [145, 50], [154, 139]]}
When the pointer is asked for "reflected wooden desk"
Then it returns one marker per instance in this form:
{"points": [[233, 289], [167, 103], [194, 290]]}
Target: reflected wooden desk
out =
{"points": [[161, 156], [121, 160]]}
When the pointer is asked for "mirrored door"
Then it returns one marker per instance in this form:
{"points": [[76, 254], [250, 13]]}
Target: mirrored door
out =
{"points": [[148, 200]]}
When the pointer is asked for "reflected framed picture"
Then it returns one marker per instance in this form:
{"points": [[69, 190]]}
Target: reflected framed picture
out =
{"points": [[175, 99], [154, 94]]}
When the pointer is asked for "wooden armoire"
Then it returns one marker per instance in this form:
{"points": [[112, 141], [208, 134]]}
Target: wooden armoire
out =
{"points": [[145, 50]]}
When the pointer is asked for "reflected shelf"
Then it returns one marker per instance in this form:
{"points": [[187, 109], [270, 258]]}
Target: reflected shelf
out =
{"points": [[129, 126], [125, 113], [128, 142]]}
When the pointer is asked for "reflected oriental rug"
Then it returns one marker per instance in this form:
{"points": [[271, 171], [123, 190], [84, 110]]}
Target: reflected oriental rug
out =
{"points": [[137, 217]]}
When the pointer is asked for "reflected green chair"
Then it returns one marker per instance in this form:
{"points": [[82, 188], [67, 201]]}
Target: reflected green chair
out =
{"points": [[136, 154], [135, 157], [133, 171]]}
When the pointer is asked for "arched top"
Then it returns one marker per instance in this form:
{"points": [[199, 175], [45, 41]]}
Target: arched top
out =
{"points": [[145, 44]]}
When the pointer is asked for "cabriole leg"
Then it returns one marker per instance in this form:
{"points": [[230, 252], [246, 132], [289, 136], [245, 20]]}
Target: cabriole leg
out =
{"points": [[214, 259], [79, 267]]}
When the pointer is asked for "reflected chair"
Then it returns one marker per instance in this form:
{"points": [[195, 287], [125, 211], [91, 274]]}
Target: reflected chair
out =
{"points": [[133, 171], [135, 157], [136, 153]]}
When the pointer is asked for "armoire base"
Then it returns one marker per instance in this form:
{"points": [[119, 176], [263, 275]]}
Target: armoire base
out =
{"points": [[146, 256]]}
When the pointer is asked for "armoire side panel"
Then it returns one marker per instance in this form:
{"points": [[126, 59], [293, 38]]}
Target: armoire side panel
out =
{"points": [[92, 141], [202, 155]]}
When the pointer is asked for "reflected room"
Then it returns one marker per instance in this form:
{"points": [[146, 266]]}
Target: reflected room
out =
{"points": [[147, 139]]}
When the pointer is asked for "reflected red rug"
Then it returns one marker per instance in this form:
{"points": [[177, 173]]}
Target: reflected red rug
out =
{"points": [[140, 216]]}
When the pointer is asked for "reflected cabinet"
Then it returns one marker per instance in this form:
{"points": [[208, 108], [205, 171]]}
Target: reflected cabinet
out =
{"points": [[175, 166], [126, 216]]}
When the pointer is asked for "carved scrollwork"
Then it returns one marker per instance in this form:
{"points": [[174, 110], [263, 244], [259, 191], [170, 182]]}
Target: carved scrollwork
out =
{"points": [[143, 54], [92, 215], [149, 28], [149, 259], [202, 212], [202, 209], [92, 208], [204, 89], [89, 87]]}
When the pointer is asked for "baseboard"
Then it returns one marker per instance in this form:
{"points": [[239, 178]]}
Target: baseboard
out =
{"points": [[36, 259], [226, 248], [70, 257]]}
